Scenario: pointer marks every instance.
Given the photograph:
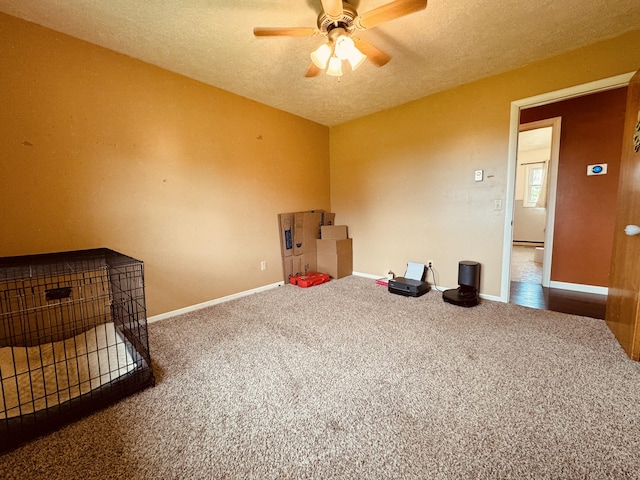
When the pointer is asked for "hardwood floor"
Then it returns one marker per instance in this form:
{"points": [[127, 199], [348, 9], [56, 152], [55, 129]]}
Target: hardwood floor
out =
{"points": [[565, 301], [526, 276]]}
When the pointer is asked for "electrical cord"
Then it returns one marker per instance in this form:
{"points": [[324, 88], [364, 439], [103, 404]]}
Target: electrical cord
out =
{"points": [[433, 275]]}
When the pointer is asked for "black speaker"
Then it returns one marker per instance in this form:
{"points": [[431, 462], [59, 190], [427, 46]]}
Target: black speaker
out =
{"points": [[466, 295]]}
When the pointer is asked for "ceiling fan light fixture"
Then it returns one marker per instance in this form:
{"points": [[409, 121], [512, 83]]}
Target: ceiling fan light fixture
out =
{"points": [[344, 47], [356, 58], [337, 21], [335, 67], [320, 57]]}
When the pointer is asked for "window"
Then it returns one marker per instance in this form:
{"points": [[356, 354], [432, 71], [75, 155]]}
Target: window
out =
{"points": [[534, 178]]}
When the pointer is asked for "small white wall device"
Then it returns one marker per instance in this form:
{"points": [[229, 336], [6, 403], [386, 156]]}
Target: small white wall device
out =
{"points": [[632, 230], [597, 169]]}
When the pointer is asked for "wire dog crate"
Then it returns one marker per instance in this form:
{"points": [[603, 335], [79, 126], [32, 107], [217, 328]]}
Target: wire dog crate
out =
{"points": [[73, 338]]}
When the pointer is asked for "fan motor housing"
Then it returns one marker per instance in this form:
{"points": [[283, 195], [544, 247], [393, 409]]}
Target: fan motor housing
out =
{"points": [[326, 24]]}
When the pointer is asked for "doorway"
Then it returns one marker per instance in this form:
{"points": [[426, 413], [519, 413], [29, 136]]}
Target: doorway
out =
{"points": [[534, 201], [516, 106]]}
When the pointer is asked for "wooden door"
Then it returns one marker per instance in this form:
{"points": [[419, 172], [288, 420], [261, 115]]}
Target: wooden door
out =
{"points": [[623, 308]]}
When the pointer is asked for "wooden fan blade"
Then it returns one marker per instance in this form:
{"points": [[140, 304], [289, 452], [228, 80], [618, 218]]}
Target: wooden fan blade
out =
{"points": [[333, 8], [377, 56], [390, 11], [284, 32], [313, 71]]}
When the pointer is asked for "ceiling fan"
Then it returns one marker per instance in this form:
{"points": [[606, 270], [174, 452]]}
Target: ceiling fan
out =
{"points": [[337, 22]]}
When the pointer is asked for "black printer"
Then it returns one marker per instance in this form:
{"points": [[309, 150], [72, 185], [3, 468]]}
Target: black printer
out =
{"points": [[412, 284], [408, 287]]}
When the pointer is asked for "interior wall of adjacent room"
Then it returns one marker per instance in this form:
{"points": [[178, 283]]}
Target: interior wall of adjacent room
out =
{"points": [[99, 149], [403, 179], [592, 128], [528, 222]]}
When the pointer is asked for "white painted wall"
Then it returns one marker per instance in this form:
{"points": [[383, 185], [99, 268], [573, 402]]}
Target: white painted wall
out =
{"points": [[528, 222]]}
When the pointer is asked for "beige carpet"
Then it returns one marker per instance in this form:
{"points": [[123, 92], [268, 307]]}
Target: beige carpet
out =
{"points": [[345, 380], [523, 268]]}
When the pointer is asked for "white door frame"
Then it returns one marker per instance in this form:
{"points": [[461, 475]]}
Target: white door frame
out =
{"points": [[552, 183], [544, 99]]}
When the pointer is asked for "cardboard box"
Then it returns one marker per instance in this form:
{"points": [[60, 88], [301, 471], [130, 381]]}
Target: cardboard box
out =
{"points": [[305, 231], [328, 218], [344, 245], [333, 232], [287, 267], [336, 265], [335, 257], [298, 234], [286, 223], [305, 262]]}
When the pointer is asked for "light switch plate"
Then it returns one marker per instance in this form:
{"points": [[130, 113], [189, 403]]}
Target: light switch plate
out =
{"points": [[478, 175]]}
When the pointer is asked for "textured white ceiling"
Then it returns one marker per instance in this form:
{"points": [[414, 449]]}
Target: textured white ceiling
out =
{"points": [[536, 139], [448, 44]]}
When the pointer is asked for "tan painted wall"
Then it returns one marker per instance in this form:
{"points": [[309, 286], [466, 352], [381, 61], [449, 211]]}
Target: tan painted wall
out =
{"points": [[99, 149], [403, 179]]}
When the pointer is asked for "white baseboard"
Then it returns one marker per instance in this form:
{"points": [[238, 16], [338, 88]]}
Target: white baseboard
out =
{"points": [[578, 287], [210, 303], [368, 275], [493, 298]]}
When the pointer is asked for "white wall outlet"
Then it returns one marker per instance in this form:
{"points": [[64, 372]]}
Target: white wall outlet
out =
{"points": [[478, 175], [263, 265], [597, 169], [497, 204]]}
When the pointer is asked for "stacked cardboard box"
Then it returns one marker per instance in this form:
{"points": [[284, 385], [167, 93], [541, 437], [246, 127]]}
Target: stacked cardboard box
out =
{"points": [[335, 251], [298, 234]]}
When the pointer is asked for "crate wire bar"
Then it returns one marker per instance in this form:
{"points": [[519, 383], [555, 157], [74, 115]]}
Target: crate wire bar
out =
{"points": [[73, 338]]}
